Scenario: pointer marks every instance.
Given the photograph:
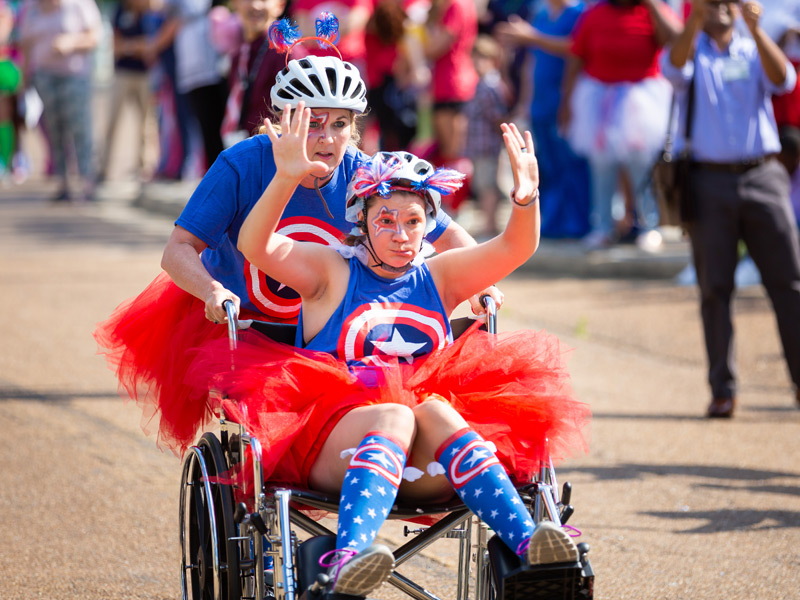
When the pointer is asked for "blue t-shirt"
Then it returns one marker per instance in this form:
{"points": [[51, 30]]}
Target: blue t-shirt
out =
{"points": [[129, 24], [227, 194], [548, 70], [379, 318]]}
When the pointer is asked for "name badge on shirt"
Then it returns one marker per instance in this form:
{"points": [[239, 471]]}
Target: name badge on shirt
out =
{"points": [[734, 69]]}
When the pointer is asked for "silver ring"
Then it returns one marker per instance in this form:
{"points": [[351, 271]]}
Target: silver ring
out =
{"points": [[524, 149]]}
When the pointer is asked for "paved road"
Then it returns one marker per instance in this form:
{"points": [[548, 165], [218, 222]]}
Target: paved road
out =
{"points": [[673, 506]]}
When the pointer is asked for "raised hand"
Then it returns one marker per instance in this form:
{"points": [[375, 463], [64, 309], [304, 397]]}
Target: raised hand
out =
{"points": [[751, 13], [290, 147], [524, 165]]}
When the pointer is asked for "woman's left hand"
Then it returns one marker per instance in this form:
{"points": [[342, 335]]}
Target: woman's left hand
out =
{"points": [[289, 149], [524, 165], [493, 292]]}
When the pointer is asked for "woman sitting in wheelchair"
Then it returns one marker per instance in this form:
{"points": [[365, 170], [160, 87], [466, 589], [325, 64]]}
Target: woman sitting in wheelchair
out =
{"points": [[377, 400]]}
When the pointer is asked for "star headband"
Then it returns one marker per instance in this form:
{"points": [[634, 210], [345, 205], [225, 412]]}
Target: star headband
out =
{"points": [[284, 34]]}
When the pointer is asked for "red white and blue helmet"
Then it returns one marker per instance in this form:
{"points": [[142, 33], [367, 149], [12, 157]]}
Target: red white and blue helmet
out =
{"points": [[387, 172]]}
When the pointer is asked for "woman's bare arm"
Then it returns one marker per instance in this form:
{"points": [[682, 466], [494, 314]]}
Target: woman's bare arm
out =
{"points": [[460, 273]]}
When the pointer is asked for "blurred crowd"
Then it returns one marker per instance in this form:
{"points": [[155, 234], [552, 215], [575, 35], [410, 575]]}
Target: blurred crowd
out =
{"points": [[442, 75]]}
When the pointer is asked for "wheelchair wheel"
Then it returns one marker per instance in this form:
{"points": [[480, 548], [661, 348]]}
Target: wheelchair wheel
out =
{"points": [[209, 550]]}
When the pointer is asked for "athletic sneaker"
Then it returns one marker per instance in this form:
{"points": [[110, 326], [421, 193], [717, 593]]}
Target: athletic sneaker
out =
{"points": [[359, 573], [550, 544]]}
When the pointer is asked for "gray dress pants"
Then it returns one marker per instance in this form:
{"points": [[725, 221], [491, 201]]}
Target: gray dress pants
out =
{"points": [[752, 206]]}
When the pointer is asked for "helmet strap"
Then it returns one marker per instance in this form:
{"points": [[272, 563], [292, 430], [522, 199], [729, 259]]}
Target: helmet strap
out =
{"points": [[321, 197]]}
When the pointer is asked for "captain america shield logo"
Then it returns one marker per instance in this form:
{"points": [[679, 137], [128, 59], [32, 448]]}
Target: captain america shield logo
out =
{"points": [[380, 459], [378, 333], [472, 460], [272, 297]]}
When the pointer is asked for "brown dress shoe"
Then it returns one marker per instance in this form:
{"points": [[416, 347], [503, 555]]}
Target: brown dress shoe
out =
{"points": [[721, 408]]}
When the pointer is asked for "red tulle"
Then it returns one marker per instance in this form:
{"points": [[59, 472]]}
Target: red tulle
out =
{"points": [[150, 341], [512, 388]]}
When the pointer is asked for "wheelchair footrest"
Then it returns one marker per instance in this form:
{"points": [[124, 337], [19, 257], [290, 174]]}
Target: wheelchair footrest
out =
{"points": [[516, 581]]}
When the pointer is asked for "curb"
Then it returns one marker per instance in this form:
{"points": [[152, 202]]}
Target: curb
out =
{"points": [[554, 258]]}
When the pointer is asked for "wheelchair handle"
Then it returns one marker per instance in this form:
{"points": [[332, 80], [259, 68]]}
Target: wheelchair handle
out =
{"points": [[491, 312], [233, 323]]}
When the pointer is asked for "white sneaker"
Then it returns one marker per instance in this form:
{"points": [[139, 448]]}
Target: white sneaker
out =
{"points": [[550, 544], [650, 241], [359, 574]]}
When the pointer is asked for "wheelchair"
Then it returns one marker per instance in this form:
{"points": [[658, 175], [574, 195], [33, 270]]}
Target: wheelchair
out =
{"points": [[268, 548]]}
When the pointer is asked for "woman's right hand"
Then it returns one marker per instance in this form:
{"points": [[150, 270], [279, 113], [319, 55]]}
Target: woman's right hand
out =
{"points": [[289, 149], [524, 165], [215, 311]]}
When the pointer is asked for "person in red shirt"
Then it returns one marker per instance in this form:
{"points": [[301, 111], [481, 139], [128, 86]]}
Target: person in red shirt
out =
{"points": [[353, 16], [451, 31], [616, 104]]}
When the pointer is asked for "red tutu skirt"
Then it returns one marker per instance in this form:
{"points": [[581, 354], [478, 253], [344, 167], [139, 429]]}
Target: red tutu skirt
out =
{"points": [[512, 388], [150, 342]]}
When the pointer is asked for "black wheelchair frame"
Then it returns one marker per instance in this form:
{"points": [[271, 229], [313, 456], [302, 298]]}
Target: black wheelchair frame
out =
{"points": [[229, 552]]}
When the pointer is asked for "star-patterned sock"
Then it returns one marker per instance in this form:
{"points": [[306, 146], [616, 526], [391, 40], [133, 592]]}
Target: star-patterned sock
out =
{"points": [[369, 490], [483, 485]]}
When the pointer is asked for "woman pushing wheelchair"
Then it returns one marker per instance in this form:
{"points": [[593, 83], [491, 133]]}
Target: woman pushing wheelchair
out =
{"points": [[377, 401]]}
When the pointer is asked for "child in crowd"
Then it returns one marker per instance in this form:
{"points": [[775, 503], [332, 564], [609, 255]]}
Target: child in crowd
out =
{"points": [[485, 112]]}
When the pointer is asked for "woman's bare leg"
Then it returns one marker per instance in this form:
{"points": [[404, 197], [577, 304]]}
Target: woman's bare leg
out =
{"points": [[395, 420]]}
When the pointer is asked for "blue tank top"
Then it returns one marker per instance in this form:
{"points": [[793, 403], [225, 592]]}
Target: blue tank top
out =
{"points": [[381, 319]]}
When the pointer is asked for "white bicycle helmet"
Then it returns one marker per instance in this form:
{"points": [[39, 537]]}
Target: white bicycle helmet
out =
{"points": [[322, 82], [403, 171]]}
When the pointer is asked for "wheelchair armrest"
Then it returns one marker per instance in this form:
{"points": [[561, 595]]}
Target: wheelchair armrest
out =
{"points": [[284, 333]]}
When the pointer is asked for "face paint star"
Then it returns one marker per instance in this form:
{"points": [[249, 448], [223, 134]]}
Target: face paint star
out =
{"points": [[398, 347], [386, 221]]}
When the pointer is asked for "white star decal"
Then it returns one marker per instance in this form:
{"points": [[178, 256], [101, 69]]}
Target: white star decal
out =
{"points": [[358, 520], [493, 514], [398, 347], [371, 513], [354, 481], [366, 493], [353, 543], [381, 490], [363, 537], [512, 516], [348, 506], [498, 492], [476, 456], [478, 492], [380, 457]]}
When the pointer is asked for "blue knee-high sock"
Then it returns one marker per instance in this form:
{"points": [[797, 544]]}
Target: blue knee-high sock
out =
{"points": [[369, 490], [483, 485]]}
